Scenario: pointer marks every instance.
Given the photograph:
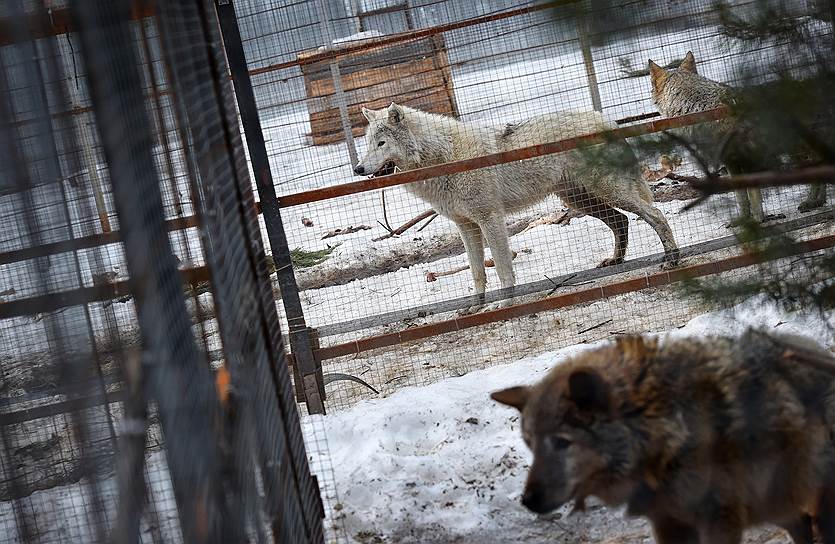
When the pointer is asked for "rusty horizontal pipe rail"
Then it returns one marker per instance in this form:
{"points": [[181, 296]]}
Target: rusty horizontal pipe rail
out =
{"points": [[331, 54], [564, 281], [44, 23], [51, 302], [495, 159], [335, 191], [803, 176], [84, 242], [591, 294]]}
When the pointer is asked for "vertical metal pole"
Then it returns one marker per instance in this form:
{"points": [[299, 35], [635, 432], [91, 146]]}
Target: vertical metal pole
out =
{"points": [[588, 59], [338, 92], [300, 343], [832, 22]]}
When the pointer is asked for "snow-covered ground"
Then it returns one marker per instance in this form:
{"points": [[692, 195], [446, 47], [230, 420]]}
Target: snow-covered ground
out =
{"points": [[443, 463], [64, 514], [498, 95]]}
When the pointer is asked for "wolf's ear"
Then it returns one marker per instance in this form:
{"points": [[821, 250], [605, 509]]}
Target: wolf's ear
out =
{"points": [[371, 115], [689, 63], [634, 347], [395, 113], [588, 390], [657, 75], [516, 397]]}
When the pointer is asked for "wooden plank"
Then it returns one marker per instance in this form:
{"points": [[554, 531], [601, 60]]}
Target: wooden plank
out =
{"points": [[324, 138], [393, 91], [373, 76], [374, 58], [336, 137], [327, 121]]}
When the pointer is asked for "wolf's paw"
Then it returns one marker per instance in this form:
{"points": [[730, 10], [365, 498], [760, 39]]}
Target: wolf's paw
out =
{"points": [[810, 204], [611, 261], [671, 260], [738, 222], [480, 308]]}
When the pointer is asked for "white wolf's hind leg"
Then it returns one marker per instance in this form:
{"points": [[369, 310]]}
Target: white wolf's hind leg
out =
{"points": [[755, 202], [655, 218]]}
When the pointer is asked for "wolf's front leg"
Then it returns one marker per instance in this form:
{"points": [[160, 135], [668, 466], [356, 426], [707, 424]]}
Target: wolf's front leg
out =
{"points": [[495, 232], [670, 531], [474, 247], [720, 532]]}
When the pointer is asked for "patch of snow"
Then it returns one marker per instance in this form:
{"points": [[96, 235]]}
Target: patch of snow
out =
{"points": [[444, 463]]}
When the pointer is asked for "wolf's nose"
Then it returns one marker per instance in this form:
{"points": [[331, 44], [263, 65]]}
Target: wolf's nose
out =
{"points": [[533, 501], [359, 169]]}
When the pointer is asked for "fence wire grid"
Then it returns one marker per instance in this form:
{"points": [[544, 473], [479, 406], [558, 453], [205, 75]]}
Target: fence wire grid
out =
{"points": [[380, 277], [375, 268], [145, 395]]}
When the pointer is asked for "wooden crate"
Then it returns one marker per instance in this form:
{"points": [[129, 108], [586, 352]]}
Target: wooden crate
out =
{"points": [[414, 73]]}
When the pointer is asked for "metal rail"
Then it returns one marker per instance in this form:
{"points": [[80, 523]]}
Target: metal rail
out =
{"points": [[592, 294], [410, 176], [553, 283], [330, 54], [495, 159]]}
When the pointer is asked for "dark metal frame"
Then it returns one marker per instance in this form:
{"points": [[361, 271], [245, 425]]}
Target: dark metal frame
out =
{"points": [[308, 371]]}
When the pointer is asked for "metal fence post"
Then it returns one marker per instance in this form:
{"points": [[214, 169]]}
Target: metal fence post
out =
{"points": [[336, 76], [300, 342], [588, 59]]}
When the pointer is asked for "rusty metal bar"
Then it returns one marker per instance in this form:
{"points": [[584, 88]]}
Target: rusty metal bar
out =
{"points": [[98, 293], [409, 36], [562, 282], [592, 294], [325, 193], [713, 185], [822, 174], [44, 23], [84, 242]]}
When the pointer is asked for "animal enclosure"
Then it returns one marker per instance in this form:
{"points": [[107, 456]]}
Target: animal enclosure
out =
{"points": [[186, 248], [138, 402], [382, 278]]}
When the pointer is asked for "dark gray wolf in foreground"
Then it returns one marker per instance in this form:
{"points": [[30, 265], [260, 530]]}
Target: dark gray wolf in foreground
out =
{"points": [[704, 437]]}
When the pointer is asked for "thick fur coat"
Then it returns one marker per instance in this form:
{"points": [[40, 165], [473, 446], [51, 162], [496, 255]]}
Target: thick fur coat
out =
{"points": [[477, 201], [704, 437], [722, 143]]}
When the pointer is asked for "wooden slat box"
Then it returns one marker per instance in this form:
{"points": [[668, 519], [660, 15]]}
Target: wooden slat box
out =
{"points": [[414, 73]]}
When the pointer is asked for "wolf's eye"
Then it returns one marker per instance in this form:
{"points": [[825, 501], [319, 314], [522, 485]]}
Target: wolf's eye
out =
{"points": [[381, 143], [558, 442]]}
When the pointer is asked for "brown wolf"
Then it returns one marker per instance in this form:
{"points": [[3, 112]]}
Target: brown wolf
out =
{"points": [[683, 90], [704, 437]]}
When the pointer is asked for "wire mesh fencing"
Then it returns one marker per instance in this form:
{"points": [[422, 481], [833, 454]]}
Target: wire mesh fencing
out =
{"points": [[144, 390], [492, 101]]}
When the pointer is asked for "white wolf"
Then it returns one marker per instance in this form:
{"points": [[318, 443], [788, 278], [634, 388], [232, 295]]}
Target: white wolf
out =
{"points": [[477, 201]]}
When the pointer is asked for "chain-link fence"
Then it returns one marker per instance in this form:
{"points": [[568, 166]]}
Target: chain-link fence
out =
{"points": [[381, 264], [144, 391]]}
